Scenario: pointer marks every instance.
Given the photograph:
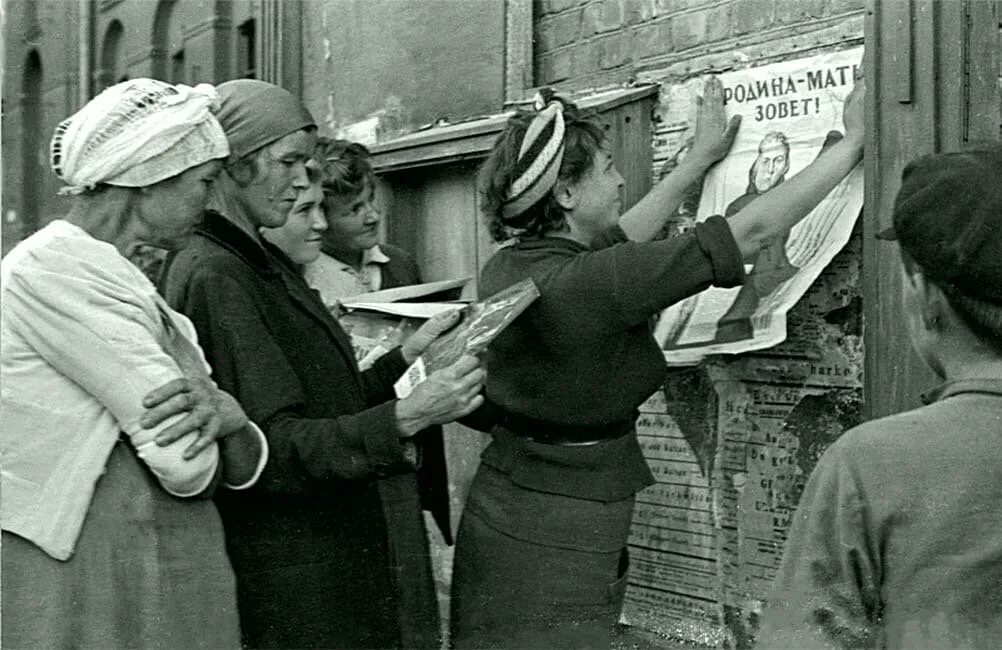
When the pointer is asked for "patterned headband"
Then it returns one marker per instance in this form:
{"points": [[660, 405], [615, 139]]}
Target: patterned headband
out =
{"points": [[539, 158]]}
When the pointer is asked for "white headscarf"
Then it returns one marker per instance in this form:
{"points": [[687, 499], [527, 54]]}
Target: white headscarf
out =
{"points": [[137, 133]]}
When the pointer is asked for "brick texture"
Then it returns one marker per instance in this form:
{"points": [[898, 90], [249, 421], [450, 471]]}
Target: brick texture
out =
{"points": [[602, 16], [718, 23], [556, 6], [558, 30], [792, 12], [637, 11], [657, 39], [651, 39], [663, 7], [752, 16], [688, 30], [838, 7], [613, 51]]}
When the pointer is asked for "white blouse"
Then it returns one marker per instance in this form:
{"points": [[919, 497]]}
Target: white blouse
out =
{"points": [[337, 281], [82, 337]]}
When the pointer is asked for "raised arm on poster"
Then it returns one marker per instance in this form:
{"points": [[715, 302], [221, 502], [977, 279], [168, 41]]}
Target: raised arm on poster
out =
{"points": [[772, 214], [713, 137], [791, 188]]}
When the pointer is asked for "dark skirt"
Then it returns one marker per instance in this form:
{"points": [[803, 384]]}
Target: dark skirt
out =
{"points": [[410, 563], [537, 570], [149, 571], [313, 570]]}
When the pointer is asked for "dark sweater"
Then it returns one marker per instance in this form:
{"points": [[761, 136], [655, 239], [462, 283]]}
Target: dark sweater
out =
{"points": [[583, 353]]}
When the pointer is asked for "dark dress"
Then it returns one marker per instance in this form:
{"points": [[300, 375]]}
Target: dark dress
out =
{"points": [[401, 270], [541, 550], [149, 571], [309, 542]]}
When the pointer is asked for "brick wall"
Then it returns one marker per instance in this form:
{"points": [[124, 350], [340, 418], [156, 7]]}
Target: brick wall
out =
{"points": [[593, 42]]}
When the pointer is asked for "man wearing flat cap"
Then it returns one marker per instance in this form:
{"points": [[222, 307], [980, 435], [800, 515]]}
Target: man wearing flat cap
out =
{"points": [[897, 542], [310, 545]]}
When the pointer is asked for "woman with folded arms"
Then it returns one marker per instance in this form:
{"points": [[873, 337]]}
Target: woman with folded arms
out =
{"points": [[113, 437]]}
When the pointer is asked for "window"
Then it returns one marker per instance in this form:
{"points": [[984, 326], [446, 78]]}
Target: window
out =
{"points": [[168, 44], [177, 75], [246, 50]]}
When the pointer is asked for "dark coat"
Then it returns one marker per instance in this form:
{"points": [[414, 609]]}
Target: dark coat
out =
{"points": [[309, 542], [406, 494], [402, 271]]}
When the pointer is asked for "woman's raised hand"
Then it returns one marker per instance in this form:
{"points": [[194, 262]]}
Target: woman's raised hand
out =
{"points": [[714, 134], [446, 395], [211, 412], [853, 110]]}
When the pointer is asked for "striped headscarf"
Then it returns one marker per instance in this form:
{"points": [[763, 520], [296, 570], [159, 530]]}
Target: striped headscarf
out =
{"points": [[539, 158], [137, 133]]}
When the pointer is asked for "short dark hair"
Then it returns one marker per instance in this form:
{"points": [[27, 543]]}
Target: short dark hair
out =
{"points": [[345, 170], [244, 170], [982, 317], [583, 138]]}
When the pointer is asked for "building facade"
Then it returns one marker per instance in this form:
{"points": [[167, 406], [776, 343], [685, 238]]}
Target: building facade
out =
{"points": [[350, 59], [380, 69]]}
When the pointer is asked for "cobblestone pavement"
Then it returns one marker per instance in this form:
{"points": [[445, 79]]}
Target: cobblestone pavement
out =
{"points": [[631, 638]]}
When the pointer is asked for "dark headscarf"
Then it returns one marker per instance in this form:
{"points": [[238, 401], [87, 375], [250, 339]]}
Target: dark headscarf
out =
{"points": [[256, 113]]}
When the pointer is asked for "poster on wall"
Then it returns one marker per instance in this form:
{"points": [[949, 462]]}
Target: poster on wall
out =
{"points": [[791, 111]]}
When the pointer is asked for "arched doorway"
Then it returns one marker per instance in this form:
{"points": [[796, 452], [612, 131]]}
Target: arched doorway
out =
{"points": [[168, 44], [112, 71]]}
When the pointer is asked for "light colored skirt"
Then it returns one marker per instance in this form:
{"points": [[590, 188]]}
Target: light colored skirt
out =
{"points": [[149, 571]]}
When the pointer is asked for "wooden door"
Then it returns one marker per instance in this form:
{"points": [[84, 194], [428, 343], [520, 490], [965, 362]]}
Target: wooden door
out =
{"points": [[933, 72], [434, 213]]}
